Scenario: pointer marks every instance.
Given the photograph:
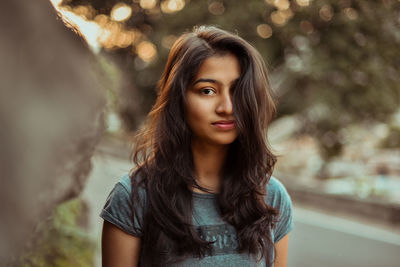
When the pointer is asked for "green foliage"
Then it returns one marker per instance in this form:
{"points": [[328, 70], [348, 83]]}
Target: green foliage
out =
{"points": [[111, 78], [61, 241]]}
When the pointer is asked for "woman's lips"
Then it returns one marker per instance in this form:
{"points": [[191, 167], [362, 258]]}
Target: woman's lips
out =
{"points": [[224, 125]]}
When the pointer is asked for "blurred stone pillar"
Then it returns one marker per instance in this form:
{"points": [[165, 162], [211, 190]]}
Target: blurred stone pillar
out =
{"points": [[51, 117]]}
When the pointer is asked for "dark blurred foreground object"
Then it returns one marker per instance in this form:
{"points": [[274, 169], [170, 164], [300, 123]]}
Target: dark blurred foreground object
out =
{"points": [[51, 117]]}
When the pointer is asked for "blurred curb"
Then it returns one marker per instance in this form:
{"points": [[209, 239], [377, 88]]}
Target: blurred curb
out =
{"points": [[371, 209]]}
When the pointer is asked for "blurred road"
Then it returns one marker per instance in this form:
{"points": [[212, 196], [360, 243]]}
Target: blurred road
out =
{"points": [[107, 170], [324, 239], [320, 239]]}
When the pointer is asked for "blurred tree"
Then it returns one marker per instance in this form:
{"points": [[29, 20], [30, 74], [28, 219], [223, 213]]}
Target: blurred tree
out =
{"points": [[333, 62], [51, 114]]}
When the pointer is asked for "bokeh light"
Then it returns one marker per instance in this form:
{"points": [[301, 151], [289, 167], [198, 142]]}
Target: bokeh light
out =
{"points": [[350, 13], [303, 2], [216, 8], [146, 51], [121, 12], [168, 41], [101, 19], [172, 6], [278, 18], [124, 39], [264, 31], [287, 13], [85, 11], [148, 4], [306, 26], [326, 13], [282, 4]]}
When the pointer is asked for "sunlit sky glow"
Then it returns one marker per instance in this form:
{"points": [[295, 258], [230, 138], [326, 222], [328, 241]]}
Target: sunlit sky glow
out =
{"points": [[107, 31], [89, 30], [147, 4]]}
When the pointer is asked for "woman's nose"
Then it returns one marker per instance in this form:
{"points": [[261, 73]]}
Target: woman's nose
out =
{"points": [[225, 105]]}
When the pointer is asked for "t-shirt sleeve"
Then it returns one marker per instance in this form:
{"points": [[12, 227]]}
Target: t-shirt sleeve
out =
{"points": [[279, 198], [118, 210]]}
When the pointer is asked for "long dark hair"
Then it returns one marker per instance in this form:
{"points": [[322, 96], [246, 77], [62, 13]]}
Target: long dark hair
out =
{"points": [[164, 159]]}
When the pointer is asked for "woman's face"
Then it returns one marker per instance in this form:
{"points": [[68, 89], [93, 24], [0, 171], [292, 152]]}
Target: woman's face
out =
{"points": [[209, 109]]}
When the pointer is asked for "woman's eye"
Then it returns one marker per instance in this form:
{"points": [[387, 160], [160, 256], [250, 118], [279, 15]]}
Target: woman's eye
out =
{"points": [[207, 91]]}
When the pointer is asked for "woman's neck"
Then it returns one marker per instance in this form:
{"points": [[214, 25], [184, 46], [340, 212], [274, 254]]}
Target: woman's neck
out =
{"points": [[208, 165]]}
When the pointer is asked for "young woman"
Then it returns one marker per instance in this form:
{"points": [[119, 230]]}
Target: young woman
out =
{"points": [[202, 192]]}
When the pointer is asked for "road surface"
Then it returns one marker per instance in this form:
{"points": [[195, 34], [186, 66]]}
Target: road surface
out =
{"points": [[324, 239]]}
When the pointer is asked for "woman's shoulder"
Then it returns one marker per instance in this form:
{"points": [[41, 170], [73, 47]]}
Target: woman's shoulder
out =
{"points": [[120, 205], [124, 193], [277, 195], [125, 182]]}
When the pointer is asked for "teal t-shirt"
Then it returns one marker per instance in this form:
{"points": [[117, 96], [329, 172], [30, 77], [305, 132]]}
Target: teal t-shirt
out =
{"points": [[118, 211]]}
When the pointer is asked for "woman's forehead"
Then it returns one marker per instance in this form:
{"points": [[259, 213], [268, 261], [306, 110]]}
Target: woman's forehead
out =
{"points": [[218, 68]]}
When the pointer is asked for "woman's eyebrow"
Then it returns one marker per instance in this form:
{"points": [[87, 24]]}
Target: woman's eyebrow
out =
{"points": [[207, 80], [203, 80]]}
